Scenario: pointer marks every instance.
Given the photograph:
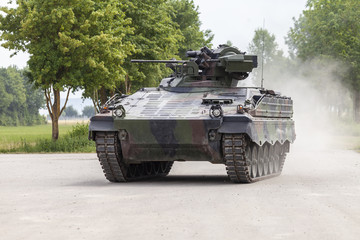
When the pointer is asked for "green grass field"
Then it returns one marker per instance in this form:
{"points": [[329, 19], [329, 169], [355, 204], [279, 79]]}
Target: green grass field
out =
{"points": [[72, 138], [12, 136]]}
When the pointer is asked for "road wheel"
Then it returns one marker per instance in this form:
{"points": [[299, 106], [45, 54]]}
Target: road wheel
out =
{"points": [[266, 159], [260, 163], [254, 160]]}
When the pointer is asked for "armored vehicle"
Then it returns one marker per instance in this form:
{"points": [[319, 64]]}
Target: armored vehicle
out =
{"points": [[197, 114]]}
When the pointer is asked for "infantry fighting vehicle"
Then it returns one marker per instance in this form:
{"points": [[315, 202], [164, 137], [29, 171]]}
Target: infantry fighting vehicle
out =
{"points": [[197, 114]]}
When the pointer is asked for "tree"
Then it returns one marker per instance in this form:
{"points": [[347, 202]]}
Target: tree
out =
{"points": [[154, 36], [186, 15], [34, 99], [88, 111], [265, 47], [331, 29], [14, 98], [72, 44], [163, 29], [19, 101], [70, 112]]}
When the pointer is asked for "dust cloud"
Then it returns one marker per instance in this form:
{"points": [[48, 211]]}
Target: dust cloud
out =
{"points": [[320, 99]]}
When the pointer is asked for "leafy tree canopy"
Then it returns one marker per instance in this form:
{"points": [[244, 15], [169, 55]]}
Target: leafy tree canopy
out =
{"points": [[163, 29], [186, 15], [155, 37]]}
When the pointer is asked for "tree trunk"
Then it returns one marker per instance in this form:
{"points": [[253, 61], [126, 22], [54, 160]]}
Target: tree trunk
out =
{"points": [[55, 129], [56, 115], [127, 84], [95, 100], [357, 106], [55, 110], [103, 96]]}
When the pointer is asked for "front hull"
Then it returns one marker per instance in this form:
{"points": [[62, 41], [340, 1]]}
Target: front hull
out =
{"points": [[168, 140], [194, 140]]}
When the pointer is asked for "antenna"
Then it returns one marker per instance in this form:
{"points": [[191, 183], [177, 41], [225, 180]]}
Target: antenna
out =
{"points": [[262, 55]]}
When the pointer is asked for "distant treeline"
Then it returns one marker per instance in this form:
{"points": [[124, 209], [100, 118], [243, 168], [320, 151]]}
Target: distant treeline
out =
{"points": [[19, 100]]}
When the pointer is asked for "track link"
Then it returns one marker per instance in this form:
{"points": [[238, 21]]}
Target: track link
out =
{"points": [[245, 166], [235, 160], [108, 150], [108, 155]]}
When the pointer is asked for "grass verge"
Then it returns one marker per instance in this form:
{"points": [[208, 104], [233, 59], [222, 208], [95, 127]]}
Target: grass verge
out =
{"points": [[11, 137], [75, 139]]}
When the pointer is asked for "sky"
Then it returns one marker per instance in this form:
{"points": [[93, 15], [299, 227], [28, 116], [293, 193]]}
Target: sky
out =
{"points": [[237, 20]]}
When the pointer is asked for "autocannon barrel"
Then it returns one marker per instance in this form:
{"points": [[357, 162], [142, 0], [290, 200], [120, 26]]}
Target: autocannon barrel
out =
{"points": [[156, 61], [193, 54]]}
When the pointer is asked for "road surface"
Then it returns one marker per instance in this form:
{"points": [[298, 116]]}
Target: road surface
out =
{"points": [[65, 196]]}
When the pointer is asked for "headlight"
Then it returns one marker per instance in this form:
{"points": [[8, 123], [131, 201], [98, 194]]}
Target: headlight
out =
{"points": [[119, 112], [216, 111]]}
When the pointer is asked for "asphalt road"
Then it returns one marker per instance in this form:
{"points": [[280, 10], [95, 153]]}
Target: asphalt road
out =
{"points": [[65, 196]]}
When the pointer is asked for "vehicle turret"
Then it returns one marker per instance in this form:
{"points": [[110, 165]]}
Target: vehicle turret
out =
{"points": [[221, 67]]}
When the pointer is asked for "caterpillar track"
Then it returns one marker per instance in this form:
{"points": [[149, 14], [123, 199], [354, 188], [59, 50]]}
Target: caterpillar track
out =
{"points": [[247, 162], [116, 170]]}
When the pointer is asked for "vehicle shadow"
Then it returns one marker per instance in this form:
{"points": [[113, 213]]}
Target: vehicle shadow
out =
{"points": [[170, 180], [194, 179]]}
